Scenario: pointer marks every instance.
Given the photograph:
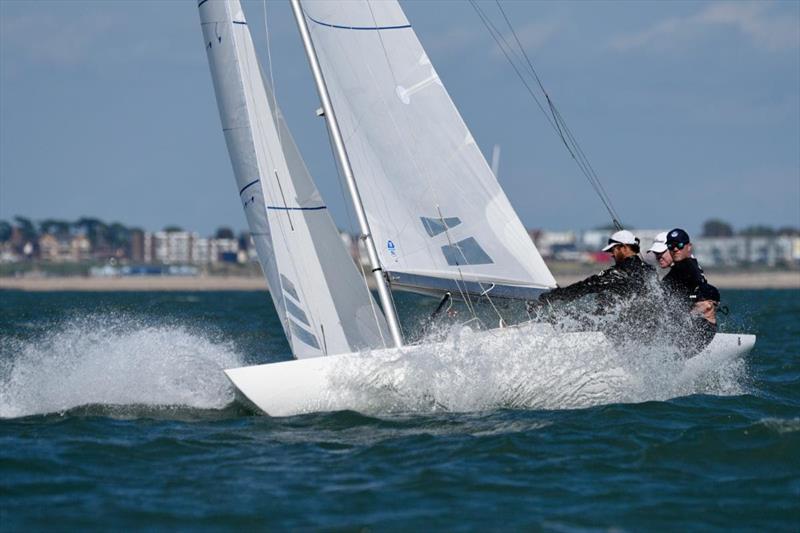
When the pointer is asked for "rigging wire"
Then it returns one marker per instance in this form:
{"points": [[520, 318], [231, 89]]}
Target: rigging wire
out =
{"points": [[552, 114], [465, 292], [563, 124]]}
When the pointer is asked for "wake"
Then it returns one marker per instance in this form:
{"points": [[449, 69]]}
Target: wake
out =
{"points": [[114, 361]]}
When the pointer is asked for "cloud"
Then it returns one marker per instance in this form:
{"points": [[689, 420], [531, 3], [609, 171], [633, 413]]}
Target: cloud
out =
{"points": [[47, 38], [758, 21], [461, 39], [533, 36]]}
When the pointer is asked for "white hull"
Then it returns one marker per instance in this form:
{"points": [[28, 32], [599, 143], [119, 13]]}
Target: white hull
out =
{"points": [[354, 381]]}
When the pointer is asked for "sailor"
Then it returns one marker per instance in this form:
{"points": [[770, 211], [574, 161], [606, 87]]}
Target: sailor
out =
{"points": [[627, 277], [660, 251], [685, 276], [690, 293]]}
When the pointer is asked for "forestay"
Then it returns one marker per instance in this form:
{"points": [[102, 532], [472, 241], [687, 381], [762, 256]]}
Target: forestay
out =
{"points": [[323, 303], [434, 206]]}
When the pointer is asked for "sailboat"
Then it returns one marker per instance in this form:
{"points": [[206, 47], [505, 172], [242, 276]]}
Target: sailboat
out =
{"points": [[432, 216]]}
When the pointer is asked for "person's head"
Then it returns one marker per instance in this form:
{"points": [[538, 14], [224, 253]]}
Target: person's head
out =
{"points": [[660, 251], [621, 245], [679, 245]]}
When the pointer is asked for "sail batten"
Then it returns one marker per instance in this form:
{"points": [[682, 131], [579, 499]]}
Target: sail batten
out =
{"points": [[297, 242], [432, 201]]}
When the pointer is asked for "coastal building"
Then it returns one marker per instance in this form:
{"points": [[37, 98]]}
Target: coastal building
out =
{"points": [[224, 250], [80, 248], [53, 249], [137, 246], [201, 251], [768, 251], [64, 249], [173, 247]]}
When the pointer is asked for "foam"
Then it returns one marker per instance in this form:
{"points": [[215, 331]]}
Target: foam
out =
{"points": [[781, 425], [124, 361], [471, 371], [114, 360]]}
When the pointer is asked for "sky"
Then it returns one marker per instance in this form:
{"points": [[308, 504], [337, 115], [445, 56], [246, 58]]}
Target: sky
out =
{"points": [[687, 110]]}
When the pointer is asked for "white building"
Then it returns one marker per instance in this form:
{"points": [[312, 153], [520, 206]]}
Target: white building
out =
{"points": [[174, 247], [740, 250]]}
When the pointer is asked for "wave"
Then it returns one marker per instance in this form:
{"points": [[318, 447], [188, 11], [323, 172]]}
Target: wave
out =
{"points": [[115, 361]]}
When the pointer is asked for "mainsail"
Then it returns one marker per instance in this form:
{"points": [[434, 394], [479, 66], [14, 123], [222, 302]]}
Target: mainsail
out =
{"points": [[324, 304], [436, 210]]}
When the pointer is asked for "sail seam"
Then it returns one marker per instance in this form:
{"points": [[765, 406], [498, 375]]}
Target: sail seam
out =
{"points": [[249, 185], [373, 28], [287, 208]]}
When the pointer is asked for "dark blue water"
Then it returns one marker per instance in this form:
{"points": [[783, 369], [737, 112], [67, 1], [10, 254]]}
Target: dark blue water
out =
{"points": [[115, 414]]}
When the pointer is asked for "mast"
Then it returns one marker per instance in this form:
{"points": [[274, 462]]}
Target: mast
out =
{"points": [[344, 161]]}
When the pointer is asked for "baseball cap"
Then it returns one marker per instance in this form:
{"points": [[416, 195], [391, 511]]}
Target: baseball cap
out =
{"points": [[659, 245], [677, 237], [621, 237]]}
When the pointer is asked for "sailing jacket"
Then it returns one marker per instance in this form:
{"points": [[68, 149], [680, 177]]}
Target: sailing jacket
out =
{"points": [[627, 278], [684, 280]]}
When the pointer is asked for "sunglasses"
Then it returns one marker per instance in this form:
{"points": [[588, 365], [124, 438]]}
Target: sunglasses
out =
{"points": [[676, 246]]}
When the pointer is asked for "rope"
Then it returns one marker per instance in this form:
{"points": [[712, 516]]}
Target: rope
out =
{"points": [[552, 114]]}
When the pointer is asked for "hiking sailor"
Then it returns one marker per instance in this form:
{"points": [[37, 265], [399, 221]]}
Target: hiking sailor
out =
{"points": [[628, 276], [690, 292]]}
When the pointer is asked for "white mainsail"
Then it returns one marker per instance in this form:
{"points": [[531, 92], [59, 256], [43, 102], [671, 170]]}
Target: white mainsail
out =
{"points": [[435, 208], [324, 304]]}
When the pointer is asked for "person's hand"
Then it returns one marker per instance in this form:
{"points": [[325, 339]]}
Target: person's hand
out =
{"points": [[707, 309]]}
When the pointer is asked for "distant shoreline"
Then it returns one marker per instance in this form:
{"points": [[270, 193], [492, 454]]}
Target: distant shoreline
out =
{"points": [[727, 280]]}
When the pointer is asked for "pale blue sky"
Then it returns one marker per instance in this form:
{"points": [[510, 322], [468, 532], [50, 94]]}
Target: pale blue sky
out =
{"points": [[687, 110]]}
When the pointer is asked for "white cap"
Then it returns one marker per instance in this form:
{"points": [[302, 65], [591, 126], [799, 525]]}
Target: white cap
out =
{"points": [[621, 237], [660, 244]]}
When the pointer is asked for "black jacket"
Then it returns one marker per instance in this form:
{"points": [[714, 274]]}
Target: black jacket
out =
{"points": [[628, 278], [683, 280]]}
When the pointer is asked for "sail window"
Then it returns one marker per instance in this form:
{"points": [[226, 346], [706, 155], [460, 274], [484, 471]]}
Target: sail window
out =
{"points": [[303, 335], [466, 252], [295, 311], [435, 226], [288, 287]]}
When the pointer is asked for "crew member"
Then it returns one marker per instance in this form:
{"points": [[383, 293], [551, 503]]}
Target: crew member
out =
{"points": [[660, 251], [690, 292], [628, 276], [685, 276]]}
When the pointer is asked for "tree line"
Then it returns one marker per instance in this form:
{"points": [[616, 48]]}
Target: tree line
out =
{"points": [[719, 228], [98, 232]]}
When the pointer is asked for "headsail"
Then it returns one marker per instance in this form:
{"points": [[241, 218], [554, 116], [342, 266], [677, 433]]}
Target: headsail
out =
{"points": [[435, 208], [323, 303]]}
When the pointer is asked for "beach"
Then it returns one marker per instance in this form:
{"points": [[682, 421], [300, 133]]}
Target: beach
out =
{"points": [[723, 280]]}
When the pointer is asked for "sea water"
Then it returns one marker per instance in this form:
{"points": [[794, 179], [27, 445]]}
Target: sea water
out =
{"points": [[114, 413]]}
